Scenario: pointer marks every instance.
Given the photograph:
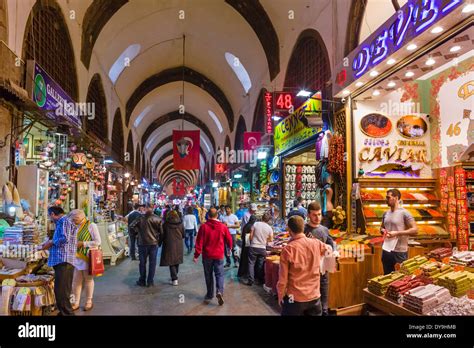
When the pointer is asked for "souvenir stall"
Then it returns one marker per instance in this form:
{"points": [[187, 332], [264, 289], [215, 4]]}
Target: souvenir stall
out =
{"points": [[407, 119], [302, 154]]}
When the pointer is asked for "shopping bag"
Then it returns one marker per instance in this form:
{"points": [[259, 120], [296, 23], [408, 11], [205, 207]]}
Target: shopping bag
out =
{"points": [[96, 263]]}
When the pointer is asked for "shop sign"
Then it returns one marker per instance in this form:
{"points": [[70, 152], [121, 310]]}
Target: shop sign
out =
{"points": [[221, 168], [406, 24], [49, 95], [294, 129], [268, 103], [391, 146]]}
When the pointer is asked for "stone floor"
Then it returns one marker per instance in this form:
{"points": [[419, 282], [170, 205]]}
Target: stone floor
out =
{"points": [[116, 293]]}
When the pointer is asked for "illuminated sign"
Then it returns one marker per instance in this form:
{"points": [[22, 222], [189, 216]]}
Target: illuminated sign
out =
{"points": [[268, 100], [284, 101], [295, 129], [414, 18]]}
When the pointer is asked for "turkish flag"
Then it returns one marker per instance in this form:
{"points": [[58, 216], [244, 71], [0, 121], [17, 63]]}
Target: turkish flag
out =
{"points": [[186, 145], [252, 140], [179, 187]]}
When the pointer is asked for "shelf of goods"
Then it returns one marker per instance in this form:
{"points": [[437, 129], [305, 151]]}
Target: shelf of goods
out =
{"points": [[299, 180], [468, 194], [27, 286], [424, 285], [418, 197], [114, 237]]}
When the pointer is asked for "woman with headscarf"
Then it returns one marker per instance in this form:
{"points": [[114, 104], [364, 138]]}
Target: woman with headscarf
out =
{"points": [[172, 243], [88, 238]]}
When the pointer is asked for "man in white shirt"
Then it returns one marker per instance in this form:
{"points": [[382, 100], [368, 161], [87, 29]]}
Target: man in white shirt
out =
{"points": [[261, 233], [232, 222]]}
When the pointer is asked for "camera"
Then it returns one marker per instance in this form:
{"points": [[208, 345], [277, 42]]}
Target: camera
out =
{"points": [[343, 100]]}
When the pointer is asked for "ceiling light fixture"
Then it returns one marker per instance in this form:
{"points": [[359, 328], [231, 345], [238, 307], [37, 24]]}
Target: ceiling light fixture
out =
{"points": [[468, 8], [391, 61], [437, 30], [359, 84], [376, 92], [412, 47], [391, 84], [373, 73], [410, 74], [430, 62], [454, 48], [303, 93], [346, 92]]}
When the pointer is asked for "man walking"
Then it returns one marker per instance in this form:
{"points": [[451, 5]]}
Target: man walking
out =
{"points": [[396, 223], [149, 237], [133, 227], [232, 223], [261, 233], [314, 229], [210, 243], [61, 258], [298, 282]]}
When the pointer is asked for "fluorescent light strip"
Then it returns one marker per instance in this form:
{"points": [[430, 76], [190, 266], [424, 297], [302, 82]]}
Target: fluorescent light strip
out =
{"points": [[216, 121]]}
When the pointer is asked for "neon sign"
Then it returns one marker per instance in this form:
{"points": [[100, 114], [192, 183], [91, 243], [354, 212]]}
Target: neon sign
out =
{"points": [[411, 20], [268, 100]]}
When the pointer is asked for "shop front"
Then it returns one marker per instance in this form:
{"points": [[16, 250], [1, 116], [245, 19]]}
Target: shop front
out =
{"points": [[409, 122]]}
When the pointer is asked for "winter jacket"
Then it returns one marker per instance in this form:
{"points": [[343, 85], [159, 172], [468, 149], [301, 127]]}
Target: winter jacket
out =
{"points": [[150, 230], [172, 242], [210, 240]]}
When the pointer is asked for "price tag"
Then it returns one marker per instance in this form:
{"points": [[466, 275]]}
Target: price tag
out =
{"points": [[418, 272], [446, 260], [458, 268]]}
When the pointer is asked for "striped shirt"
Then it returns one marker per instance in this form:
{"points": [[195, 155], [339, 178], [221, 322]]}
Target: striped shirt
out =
{"points": [[64, 243]]}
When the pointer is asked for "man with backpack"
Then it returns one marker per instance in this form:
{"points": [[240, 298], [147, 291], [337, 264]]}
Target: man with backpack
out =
{"points": [[133, 226]]}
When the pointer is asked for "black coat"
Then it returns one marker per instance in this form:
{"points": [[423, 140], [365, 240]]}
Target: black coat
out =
{"points": [[150, 230], [172, 239]]}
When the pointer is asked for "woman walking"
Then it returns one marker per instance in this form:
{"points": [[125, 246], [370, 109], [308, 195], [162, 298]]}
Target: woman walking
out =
{"points": [[88, 238], [190, 229], [172, 242]]}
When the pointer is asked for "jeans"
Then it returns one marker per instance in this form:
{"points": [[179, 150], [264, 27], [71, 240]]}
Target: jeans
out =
{"points": [[63, 275], [324, 287], [390, 258], [217, 267], [147, 252], [311, 308], [189, 239], [133, 242], [234, 243], [256, 262], [174, 272]]}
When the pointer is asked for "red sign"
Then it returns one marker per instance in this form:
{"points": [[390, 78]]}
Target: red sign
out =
{"points": [[179, 187], [252, 140], [284, 101], [186, 146], [221, 168], [341, 77], [268, 100]]}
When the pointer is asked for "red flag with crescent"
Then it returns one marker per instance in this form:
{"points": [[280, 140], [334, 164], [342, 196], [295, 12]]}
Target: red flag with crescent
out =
{"points": [[186, 145]]}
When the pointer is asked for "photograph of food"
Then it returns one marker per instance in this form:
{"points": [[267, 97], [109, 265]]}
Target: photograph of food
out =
{"points": [[375, 125], [411, 126]]}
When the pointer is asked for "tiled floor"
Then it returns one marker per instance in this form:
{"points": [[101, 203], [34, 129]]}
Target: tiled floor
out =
{"points": [[116, 293]]}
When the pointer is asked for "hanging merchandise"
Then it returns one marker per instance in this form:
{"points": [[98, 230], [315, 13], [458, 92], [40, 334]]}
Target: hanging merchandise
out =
{"points": [[336, 155]]}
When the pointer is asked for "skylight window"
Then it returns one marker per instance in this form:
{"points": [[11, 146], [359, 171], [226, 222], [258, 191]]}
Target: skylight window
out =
{"points": [[216, 121], [141, 116], [123, 61], [239, 70]]}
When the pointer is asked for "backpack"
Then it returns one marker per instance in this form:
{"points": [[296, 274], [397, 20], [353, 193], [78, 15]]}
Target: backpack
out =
{"points": [[134, 226]]}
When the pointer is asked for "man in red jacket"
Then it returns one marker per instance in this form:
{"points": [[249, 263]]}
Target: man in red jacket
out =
{"points": [[210, 243]]}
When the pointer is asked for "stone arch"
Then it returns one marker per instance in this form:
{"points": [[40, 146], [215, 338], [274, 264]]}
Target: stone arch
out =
{"points": [[130, 153], [137, 160], [309, 66], [95, 94], [239, 134], [47, 41], [258, 124], [117, 137]]}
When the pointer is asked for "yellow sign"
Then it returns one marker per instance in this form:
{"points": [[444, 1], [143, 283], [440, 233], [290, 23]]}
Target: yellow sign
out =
{"points": [[294, 129]]}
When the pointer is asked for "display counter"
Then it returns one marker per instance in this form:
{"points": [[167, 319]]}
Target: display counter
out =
{"points": [[385, 305], [114, 237]]}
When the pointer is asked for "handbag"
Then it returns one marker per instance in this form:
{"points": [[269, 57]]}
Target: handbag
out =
{"points": [[96, 263]]}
